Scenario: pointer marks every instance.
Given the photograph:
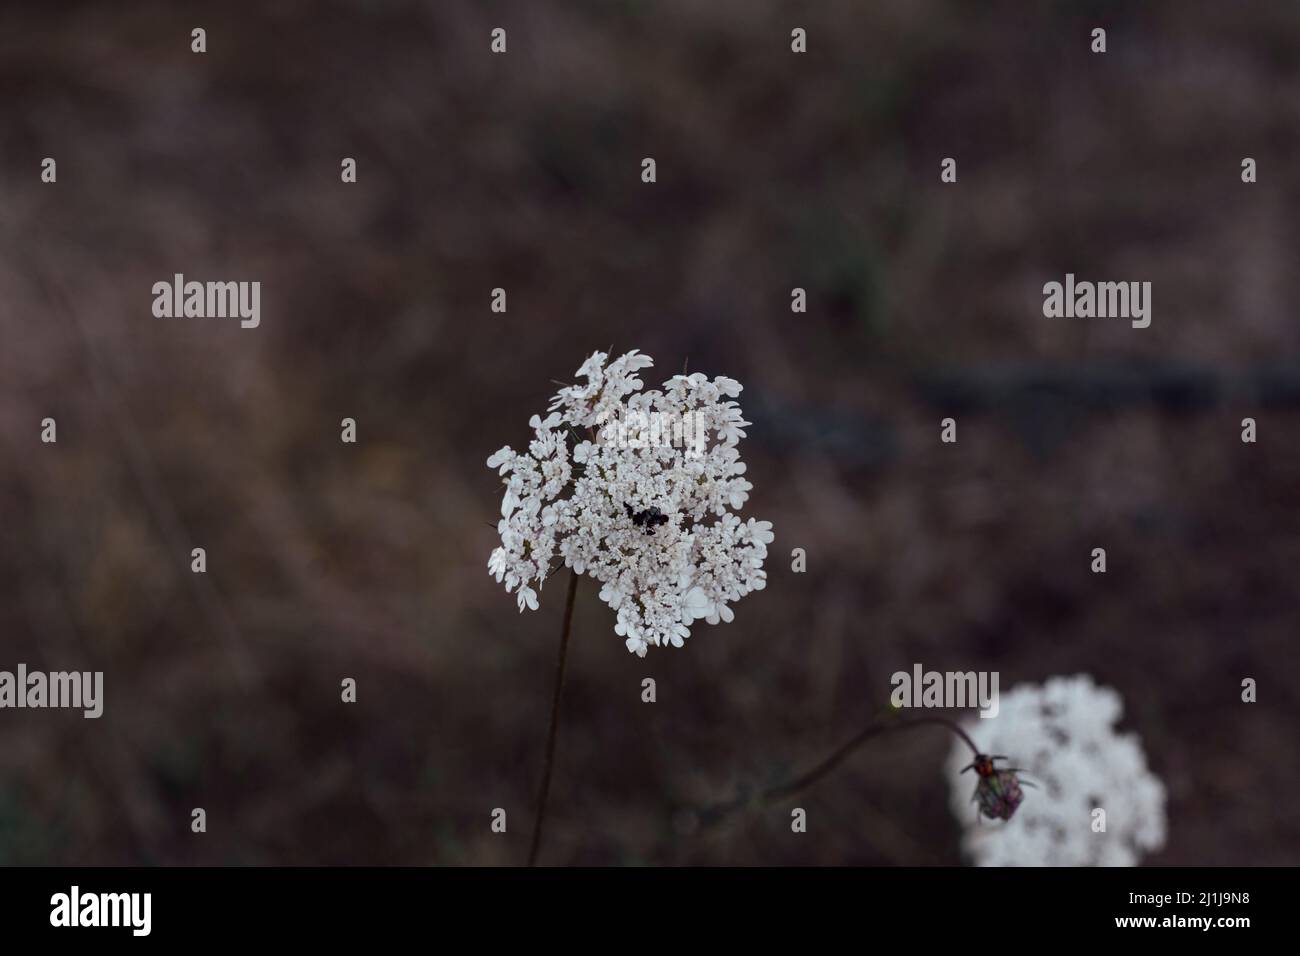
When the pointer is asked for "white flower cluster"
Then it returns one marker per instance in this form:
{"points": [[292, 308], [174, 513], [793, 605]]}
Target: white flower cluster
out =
{"points": [[653, 523], [1061, 735]]}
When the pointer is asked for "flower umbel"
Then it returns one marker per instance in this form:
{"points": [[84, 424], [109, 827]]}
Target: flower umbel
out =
{"points": [[653, 520], [1062, 732]]}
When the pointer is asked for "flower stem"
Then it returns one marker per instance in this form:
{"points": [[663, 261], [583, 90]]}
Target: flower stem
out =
{"points": [[555, 722], [799, 784], [804, 781]]}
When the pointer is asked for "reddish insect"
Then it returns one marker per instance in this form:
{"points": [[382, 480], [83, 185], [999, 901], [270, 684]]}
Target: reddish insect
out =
{"points": [[997, 791]]}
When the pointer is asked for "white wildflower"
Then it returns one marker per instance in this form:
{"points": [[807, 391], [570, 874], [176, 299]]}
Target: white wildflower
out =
{"points": [[1061, 735], [652, 520]]}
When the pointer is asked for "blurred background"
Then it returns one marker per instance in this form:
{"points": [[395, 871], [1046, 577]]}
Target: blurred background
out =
{"points": [[522, 171]]}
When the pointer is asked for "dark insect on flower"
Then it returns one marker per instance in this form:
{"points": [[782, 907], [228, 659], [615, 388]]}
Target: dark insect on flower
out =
{"points": [[998, 790], [648, 519]]}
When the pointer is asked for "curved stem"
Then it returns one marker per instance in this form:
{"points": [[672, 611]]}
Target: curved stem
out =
{"points": [[555, 722], [837, 757]]}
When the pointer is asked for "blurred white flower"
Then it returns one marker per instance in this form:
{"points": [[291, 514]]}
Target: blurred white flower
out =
{"points": [[1061, 735], [651, 520]]}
